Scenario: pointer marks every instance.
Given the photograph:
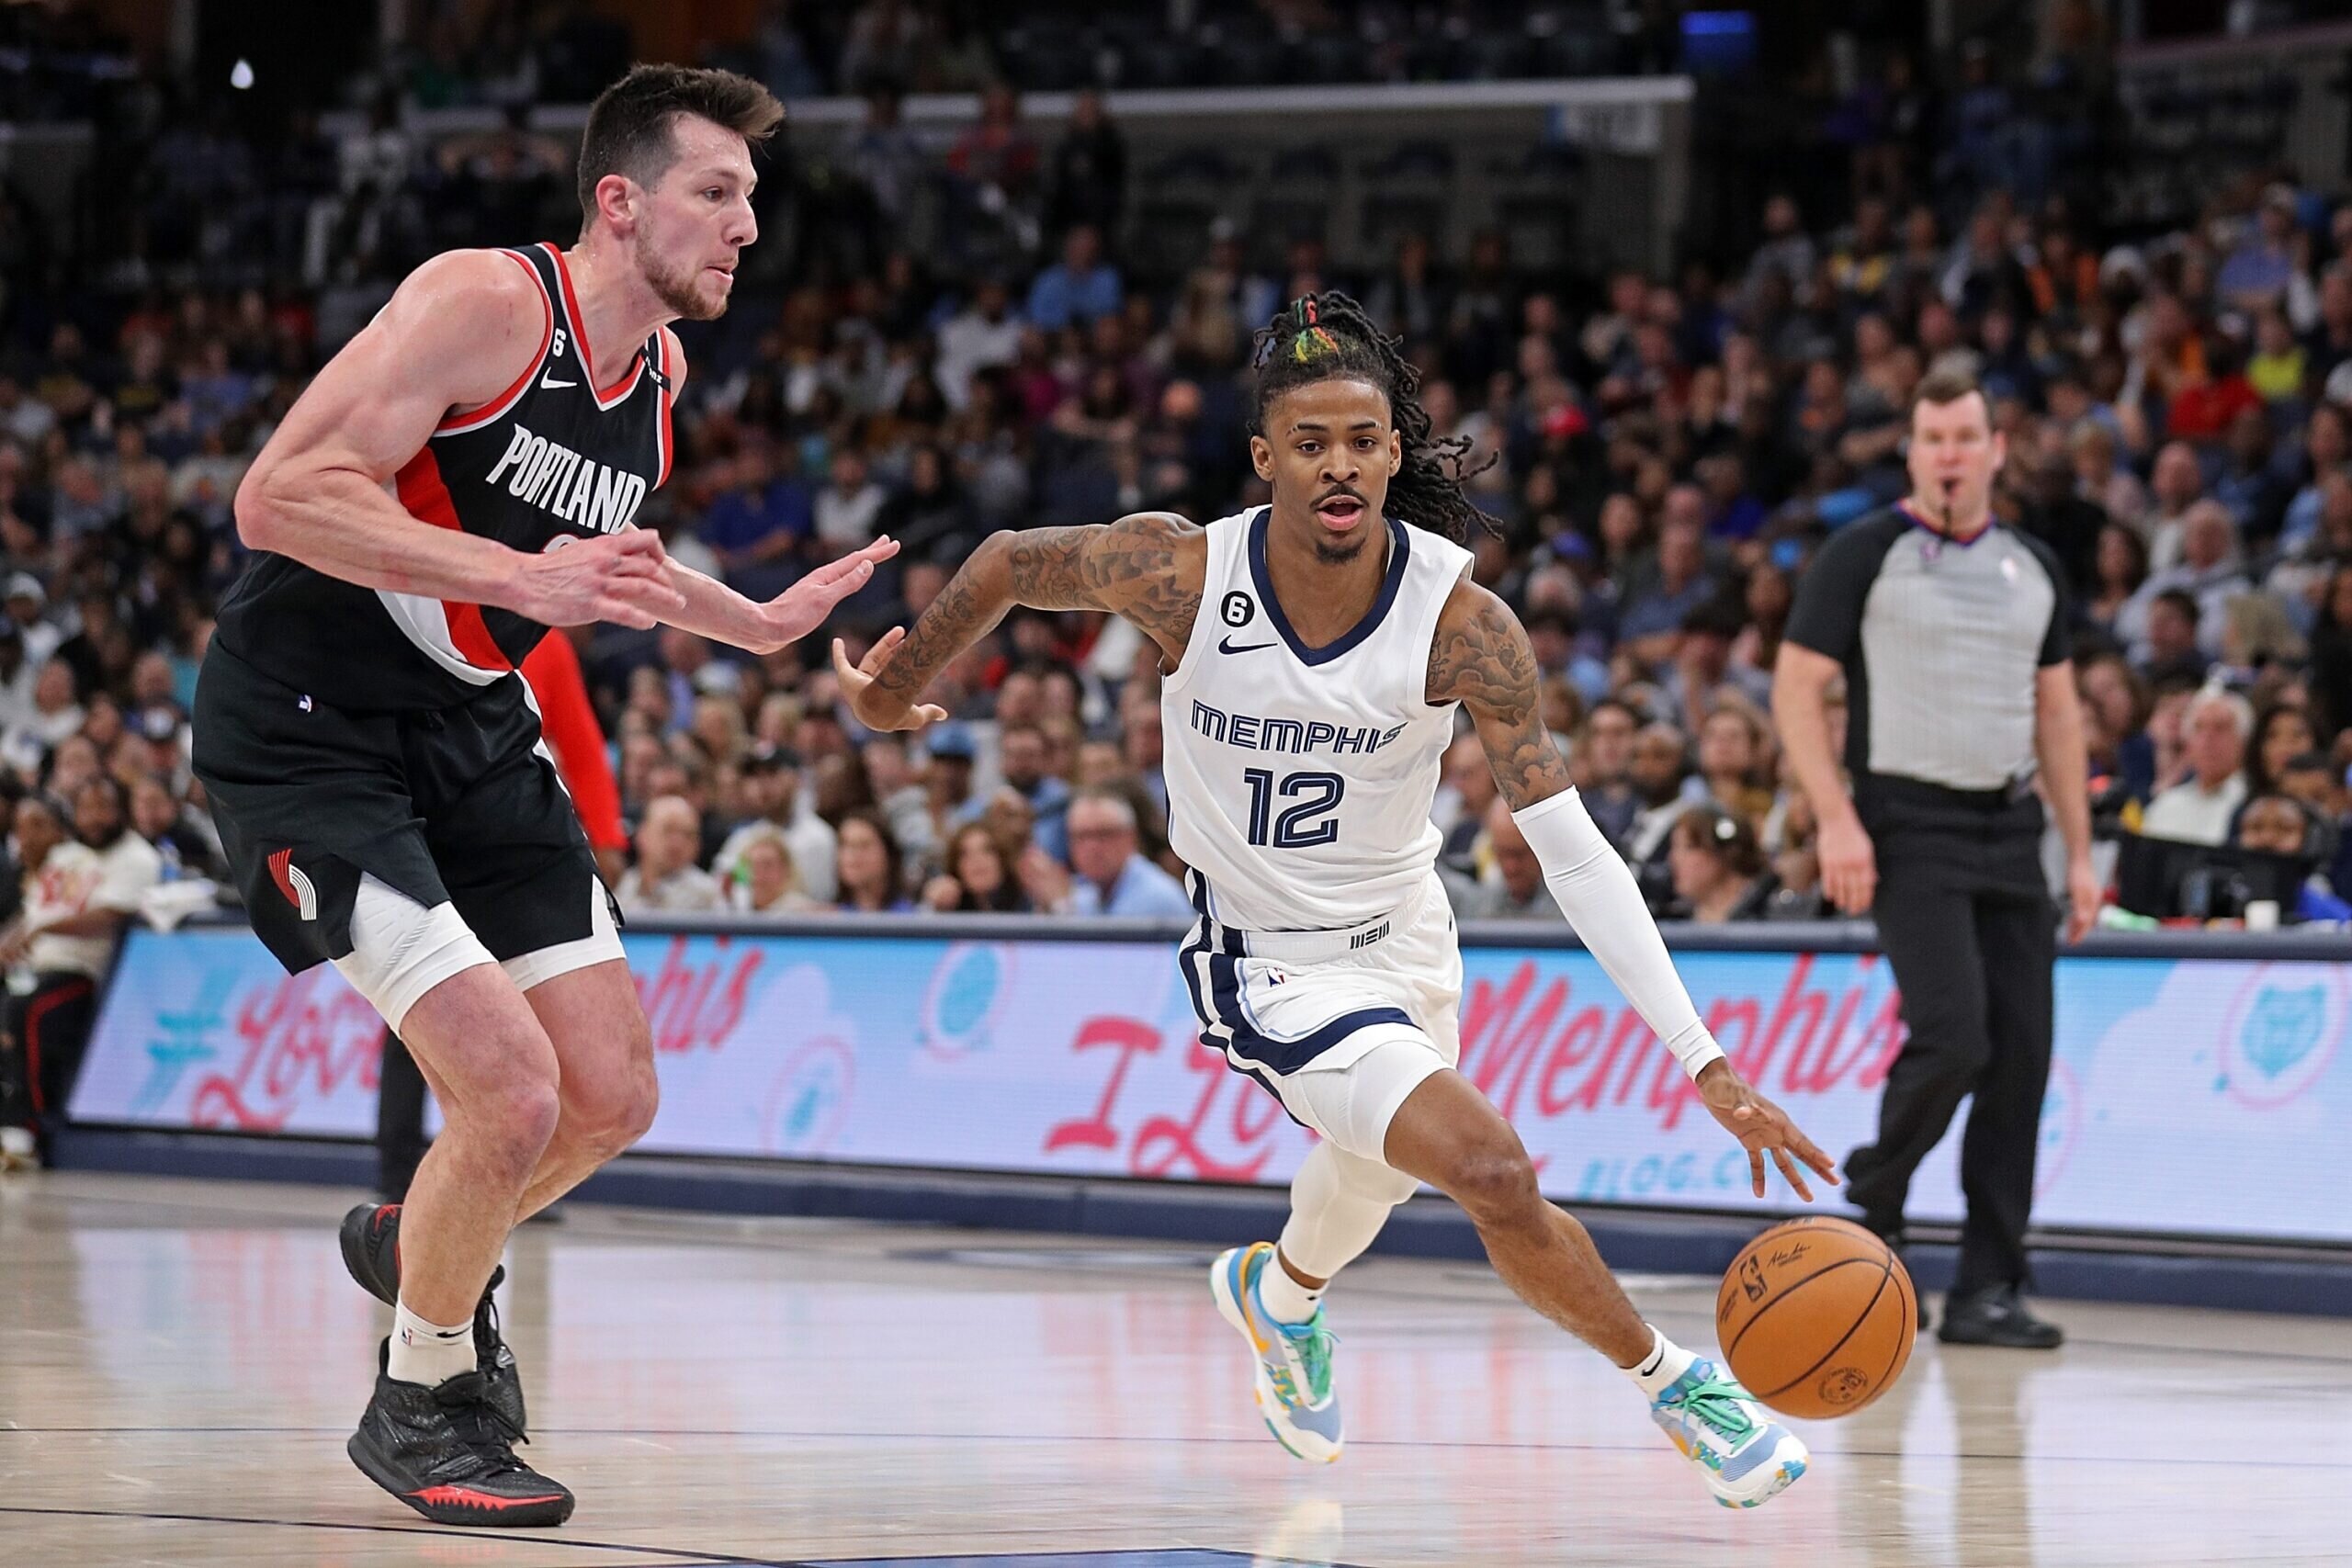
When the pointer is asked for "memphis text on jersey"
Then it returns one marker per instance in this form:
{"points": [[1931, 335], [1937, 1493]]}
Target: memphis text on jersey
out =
{"points": [[1252, 733], [560, 482]]}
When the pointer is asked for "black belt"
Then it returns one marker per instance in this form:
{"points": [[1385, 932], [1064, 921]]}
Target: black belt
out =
{"points": [[1893, 789]]}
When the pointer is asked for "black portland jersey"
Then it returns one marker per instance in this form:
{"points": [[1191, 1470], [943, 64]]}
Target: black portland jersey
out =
{"points": [[558, 457]]}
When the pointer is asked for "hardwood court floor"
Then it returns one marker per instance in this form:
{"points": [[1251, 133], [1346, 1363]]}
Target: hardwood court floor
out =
{"points": [[181, 1362]]}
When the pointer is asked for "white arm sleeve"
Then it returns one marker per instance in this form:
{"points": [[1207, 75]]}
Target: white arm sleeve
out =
{"points": [[1597, 893]]}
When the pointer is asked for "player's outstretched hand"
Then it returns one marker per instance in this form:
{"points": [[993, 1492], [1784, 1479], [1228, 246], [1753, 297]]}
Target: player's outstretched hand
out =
{"points": [[1762, 1128], [802, 608], [615, 576], [875, 708]]}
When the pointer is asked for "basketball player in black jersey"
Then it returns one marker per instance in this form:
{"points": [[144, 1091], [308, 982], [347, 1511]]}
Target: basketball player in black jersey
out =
{"points": [[459, 479]]}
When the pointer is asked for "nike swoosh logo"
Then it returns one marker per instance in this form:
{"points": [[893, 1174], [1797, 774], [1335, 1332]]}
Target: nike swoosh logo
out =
{"points": [[551, 381], [1227, 646]]}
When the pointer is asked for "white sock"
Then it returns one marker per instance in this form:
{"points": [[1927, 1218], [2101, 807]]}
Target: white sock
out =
{"points": [[429, 1353], [1659, 1370], [1284, 1298]]}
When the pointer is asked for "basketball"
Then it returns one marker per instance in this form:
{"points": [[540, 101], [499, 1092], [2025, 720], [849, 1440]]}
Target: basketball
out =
{"points": [[1816, 1317]]}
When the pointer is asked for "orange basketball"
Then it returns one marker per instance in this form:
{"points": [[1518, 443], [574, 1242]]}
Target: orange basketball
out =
{"points": [[1816, 1317]]}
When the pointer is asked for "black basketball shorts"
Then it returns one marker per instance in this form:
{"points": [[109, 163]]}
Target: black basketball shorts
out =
{"points": [[326, 813]]}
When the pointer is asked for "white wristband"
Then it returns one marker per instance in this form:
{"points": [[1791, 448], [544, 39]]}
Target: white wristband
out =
{"points": [[1597, 893]]}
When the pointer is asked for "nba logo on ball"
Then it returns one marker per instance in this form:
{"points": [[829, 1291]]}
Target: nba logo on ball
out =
{"points": [[1751, 1274]]}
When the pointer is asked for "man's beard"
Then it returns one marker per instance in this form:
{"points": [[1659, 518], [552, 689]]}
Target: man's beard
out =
{"points": [[1340, 553], [677, 290]]}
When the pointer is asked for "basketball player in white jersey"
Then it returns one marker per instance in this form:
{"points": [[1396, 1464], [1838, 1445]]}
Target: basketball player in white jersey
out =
{"points": [[1314, 654]]}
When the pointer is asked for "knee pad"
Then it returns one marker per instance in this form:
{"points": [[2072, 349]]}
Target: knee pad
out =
{"points": [[400, 949]]}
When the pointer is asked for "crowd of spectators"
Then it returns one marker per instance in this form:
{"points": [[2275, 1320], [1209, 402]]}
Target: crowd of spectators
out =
{"points": [[1665, 452]]}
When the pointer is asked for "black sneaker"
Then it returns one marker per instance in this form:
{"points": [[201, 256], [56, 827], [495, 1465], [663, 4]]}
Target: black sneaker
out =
{"points": [[371, 1251], [1997, 1316], [447, 1453]]}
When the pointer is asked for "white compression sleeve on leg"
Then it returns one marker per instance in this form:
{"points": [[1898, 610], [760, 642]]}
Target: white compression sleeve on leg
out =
{"points": [[1597, 893], [1338, 1203]]}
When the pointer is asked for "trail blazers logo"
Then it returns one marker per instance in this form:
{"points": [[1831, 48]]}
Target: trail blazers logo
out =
{"points": [[294, 884]]}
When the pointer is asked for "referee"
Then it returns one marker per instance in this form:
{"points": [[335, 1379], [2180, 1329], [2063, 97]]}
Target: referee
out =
{"points": [[1950, 629]]}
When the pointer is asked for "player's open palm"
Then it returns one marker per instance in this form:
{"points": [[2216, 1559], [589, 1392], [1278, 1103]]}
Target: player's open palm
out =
{"points": [[876, 708], [1762, 1128], [802, 608], [615, 576]]}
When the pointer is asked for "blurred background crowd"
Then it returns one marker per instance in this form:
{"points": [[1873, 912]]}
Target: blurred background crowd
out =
{"points": [[960, 321]]}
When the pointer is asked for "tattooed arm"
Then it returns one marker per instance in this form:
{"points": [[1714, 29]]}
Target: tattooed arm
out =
{"points": [[1480, 657], [1148, 567]]}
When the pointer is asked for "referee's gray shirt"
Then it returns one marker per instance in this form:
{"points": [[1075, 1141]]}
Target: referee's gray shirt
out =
{"points": [[1941, 642]]}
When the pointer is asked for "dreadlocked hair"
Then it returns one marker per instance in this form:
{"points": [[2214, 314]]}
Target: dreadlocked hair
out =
{"points": [[1330, 337]]}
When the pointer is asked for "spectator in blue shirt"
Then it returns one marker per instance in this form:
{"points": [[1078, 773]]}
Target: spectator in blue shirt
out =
{"points": [[1079, 287], [1020, 761], [1678, 583], [760, 525], [2257, 272], [1113, 878]]}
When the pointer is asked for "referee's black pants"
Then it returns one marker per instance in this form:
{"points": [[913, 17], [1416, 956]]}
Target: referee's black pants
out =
{"points": [[1967, 923]]}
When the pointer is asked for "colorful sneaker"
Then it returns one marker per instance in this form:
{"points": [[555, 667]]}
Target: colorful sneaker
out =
{"points": [[371, 1253], [1745, 1454], [448, 1454], [1292, 1360]]}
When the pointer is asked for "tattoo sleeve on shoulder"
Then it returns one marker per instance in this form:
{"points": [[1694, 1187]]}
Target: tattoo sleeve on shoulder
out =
{"points": [[1481, 659], [1133, 568]]}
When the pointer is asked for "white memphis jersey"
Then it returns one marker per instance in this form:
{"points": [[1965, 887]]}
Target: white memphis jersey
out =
{"points": [[1300, 779]]}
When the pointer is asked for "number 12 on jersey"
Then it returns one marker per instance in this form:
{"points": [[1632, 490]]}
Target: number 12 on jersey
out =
{"points": [[1296, 826]]}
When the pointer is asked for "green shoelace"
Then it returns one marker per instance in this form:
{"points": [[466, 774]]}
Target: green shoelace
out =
{"points": [[1718, 1402], [1313, 1342]]}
